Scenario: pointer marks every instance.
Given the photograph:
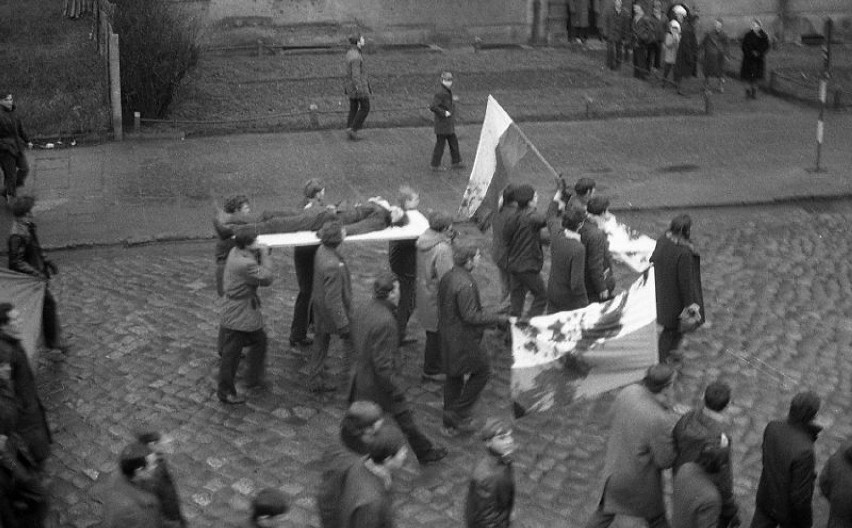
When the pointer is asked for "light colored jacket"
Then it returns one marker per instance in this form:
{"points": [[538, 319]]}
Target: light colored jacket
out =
{"points": [[242, 277], [434, 259]]}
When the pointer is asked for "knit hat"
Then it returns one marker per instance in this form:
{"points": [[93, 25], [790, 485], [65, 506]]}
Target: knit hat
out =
{"points": [[494, 427], [363, 413], [331, 233], [383, 285], [597, 205], [658, 377], [269, 501]]}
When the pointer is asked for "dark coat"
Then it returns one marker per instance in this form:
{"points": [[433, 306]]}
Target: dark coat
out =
{"points": [[677, 269], [402, 257], [616, 25], [695, 500], [461, 322], [754, 46], [714, 46], [490, 494], [163, 486], [366, 502], [835, 484], [331, 297], [357, 84], [598, 275], [687, 52], [522, 236], [442, 103], [499, 250], [336, 462], [25, 253], [566, 289], [13, 139], [127, 505], [376, 338], [644, 31], [786, 486]]}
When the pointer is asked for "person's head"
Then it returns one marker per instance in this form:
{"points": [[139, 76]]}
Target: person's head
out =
{"points": [[7, 101], [388, 448], [398, 216], [465, 255], [508, 195], [385, 287], [409, 199], [268, 504], [238, 203], [804, 407], [155, 440], [447, 79], [756, 26], [658, 378], [314, 190], [245, 238], [525, 195], [440, 221], [357, 40], [10, 320], [681, 226], [717, 395], [674, 26], [657, 8], [22, 207], [497, 436], [711, 458], [359, 425], [137, 462], [638, 12], [598, 205], [718, 24], [617, 5], [585, 187], [573, 219], [332, 233], [679, 13]]}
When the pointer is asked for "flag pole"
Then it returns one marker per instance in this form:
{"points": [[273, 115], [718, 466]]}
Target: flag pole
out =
{"points": [[536, 151]]}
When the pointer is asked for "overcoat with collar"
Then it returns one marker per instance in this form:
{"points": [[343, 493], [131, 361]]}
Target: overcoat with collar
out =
{"points": [[332, 292]]}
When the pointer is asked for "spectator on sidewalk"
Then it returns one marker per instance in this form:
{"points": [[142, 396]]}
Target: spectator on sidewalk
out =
{"points": [[599, 277], [686, 59], [524, 256], [332, 306], [249, 266], [375, 377], [566, 289], [127, 501], [162, 483], [670, 45], [753, 68], [26, 256], [444, 107], [267, 508], [786, 487], [835, 484], [357, 87], [434, 260], [643, 37], [13, 142], [402, 257], [714, 48], [506, 207], [661, 23], [696, 502], [616, 28], [491, 489]]}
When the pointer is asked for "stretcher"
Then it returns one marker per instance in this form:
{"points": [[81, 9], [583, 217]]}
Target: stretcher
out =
{"points": [[417, 224]]}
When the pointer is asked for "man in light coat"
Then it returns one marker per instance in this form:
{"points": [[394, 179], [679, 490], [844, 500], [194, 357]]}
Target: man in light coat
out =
{"points": [[640, 447]]}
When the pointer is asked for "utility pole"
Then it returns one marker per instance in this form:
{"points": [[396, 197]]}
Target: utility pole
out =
{"points": [[823, 90]]}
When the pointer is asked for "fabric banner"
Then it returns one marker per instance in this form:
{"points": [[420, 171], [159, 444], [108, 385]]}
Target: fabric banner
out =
{"points": [[628, 245], [26, 293], [567, 356]]}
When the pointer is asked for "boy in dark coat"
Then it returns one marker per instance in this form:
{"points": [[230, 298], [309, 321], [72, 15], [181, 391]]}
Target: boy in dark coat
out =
{"points": [[566, 289], [835, 484], [755, 45], [444, 109], [696, 502], [161, 483], [505, 209], [13, 142], [491, 492], [524, 257], [599, 278], [357, 87]]}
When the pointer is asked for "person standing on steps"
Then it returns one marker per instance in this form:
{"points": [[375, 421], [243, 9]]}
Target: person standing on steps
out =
{"points": [[755, 45], [443, 106], [357, 87]]}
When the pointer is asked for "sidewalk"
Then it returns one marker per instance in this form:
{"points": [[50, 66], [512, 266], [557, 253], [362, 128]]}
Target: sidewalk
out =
{"points": [[134, 192]]}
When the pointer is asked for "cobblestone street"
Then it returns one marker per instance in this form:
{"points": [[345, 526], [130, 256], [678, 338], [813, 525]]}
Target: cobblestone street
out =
{"points": [[143, 323]]}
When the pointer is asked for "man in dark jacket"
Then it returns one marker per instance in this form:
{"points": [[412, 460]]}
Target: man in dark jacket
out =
{"points": [[13, 142], [357, 87], [491, 491], [402, 257], [786, 486], [524, 257], [332, 305], [444, 109], [616, 27], [506, 208], [303, 261], [162, 483], [374, 333], [835, 484], [26, 256], [566, 289], [127, 500], [696, 502], [677, 271], [599, 278], [461, 322]]}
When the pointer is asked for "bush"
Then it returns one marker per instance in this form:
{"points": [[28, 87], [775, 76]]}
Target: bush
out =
{"points": [[158, 48]]}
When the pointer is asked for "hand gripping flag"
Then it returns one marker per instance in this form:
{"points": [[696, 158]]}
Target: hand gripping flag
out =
{"points": [[566, 356]]}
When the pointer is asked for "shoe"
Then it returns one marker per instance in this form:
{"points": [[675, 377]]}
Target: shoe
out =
{"points": [[304, 342], [458, 166], [318, 388], [433, 455], [353, 135], [439, 168], [434, 378], [232, 399]]}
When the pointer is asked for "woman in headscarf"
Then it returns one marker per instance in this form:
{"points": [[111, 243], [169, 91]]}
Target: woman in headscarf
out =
{"points": [[755, 45]]}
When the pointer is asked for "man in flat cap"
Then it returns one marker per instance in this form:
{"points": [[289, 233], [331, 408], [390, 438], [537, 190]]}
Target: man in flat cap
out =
{"points": [[444, 108], [639, 448]]}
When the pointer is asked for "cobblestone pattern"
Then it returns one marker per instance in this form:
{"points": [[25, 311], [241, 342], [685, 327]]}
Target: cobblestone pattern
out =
{"points": [[143, 323]]}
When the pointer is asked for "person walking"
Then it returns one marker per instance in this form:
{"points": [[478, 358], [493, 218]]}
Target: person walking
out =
{"points": [[357, 87], [434, 260], [599, 277], [491, 489], [506, 208], [524, 256], [755, 45], [461, 323], [566, 289], [677, 271], [696, 502], [444, 108], [249, 266], [26, 256], [786, 486], [639, 448], [162, 484], [375, 378], [616, 28], [13, 142], [402, 257], [835, 484], [670, 45], [714, 48], [332, 306], [127, 501]]}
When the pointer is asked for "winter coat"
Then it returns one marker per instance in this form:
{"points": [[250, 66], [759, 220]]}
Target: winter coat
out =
{"points": [[336, 463], [670, 45], [357, 83], [461, 323], [127, 505], [677, 270], [598, 271], [434, 259], [163, 486], [286, 221], [13, 139], [566, 288], [498, 245], [245, 272], [714, 46], [687, 52], [644, 31], [616, 25], [490, 494], [835, 484], [331, 298], [639, 448], [522, 236], [442, 103], [402, 257], [366, 501], [786, 486], [376, 338], [25, 253], [754, 47], [695, 500]]}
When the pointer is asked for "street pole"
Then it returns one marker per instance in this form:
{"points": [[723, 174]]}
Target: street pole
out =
{"points": [[823, 90]]}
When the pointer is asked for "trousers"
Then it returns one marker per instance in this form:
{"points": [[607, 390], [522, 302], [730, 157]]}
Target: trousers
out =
{"points": [[232, 343], [358, 110]]}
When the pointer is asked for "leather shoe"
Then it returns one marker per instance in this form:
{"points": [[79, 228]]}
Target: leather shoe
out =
{"points": [[304, 342], [433, 455], [232, 399], [458, 166]]}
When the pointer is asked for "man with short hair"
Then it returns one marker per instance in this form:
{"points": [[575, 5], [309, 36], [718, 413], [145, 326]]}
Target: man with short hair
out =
{"points": [[402, 257], [491, 490], [444, 108], [786, 486], [524, 256], [506, 207], [127, 502], [599, 278], [267, 507], [13, 143], [696, 502], [639, 448], [357, 87], [249, 266], [461, 323], [616, 27], [584, 191], [566, 289], [161, 483]]}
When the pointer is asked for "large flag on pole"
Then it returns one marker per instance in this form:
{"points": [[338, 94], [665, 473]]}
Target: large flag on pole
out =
{"points": [[504, 153], [567, 356], [26, 293]]}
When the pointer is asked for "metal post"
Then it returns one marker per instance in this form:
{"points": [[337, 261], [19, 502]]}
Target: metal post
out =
{"points": [[115, 87], [823, 92], [314, 116], [137, 122], [708, 102]]}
